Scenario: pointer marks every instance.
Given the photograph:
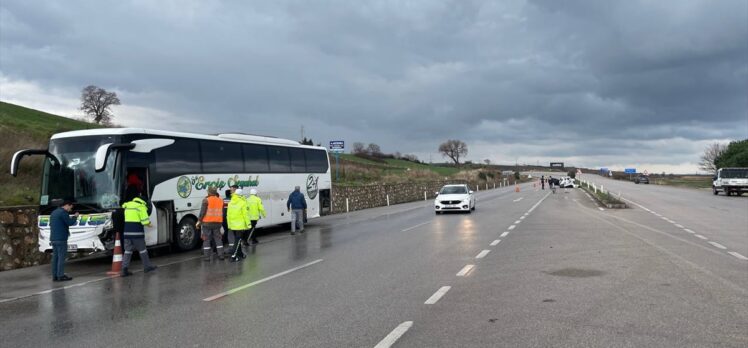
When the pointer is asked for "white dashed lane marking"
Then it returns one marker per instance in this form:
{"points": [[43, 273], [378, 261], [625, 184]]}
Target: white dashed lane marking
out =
{"points": [[718, 245], [398, 332], [482, 254], [465, 270], [504, 234], [517, 222], [689, 231], [496, 242], [511, 227], [738, 255], [700, 236], [679, 226], [437, 295], [237, 289]]}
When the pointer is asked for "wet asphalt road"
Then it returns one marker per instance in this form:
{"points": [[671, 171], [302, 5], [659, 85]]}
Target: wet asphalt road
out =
{"points": [[566, 275]]}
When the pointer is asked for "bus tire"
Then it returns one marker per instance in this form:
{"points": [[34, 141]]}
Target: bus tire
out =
{"points": [[186, 237]]}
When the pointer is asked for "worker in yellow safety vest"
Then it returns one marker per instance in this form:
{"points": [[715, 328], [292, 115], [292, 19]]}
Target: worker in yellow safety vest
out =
{"points": [[237, 215], [256, 211], [136, 217], [210, 223]]}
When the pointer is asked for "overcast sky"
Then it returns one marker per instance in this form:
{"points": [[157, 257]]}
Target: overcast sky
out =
{"points": [[645, 84]]}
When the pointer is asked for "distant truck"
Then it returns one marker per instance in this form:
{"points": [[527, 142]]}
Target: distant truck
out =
{"points": [[730, 180]]}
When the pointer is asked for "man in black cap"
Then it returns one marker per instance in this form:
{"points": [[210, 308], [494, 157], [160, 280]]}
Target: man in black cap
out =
{"points": [[59, 223]]}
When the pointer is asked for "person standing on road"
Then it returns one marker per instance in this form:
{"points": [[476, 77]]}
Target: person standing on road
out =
{"points": [[297, 206], [59, 223], [551, 182], [228, 238], [256, 211], [238, 222], [542, 182], [136, 217], [210, 222]]}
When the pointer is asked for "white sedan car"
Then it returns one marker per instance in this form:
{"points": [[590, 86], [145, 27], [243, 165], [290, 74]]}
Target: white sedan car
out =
{"points": [[454, 198]]}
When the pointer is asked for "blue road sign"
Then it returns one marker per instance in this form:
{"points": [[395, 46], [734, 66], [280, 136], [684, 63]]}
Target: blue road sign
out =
{"points": [[337, 145], [630, 170]]}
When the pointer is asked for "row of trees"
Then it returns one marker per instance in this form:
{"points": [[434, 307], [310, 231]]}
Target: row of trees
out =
{"points": [[716, 155]]}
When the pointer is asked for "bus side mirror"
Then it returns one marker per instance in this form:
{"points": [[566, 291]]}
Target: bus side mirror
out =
{"points": [[103, 152], [20, 154], [100, 159], [148, 145]]}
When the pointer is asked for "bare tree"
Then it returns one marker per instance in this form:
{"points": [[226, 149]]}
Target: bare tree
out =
{"points": [[454, 149], [96, 101], [710, 155], [358, 148], [374, 150]]}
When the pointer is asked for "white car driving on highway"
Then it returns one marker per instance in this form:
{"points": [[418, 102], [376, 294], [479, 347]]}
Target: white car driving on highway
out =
{"points": [[454, 198]]}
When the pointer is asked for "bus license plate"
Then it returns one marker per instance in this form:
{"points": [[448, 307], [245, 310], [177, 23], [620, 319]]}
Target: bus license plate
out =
{"points": [[72, 247]]}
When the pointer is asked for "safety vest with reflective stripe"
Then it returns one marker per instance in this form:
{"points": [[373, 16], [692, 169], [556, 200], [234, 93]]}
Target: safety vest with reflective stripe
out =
{"points": [[254, 205], [237, 213], [214, 213], [136, 216]]}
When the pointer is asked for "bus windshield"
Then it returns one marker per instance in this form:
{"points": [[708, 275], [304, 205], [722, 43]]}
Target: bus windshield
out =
{"points": [[75, 177]]}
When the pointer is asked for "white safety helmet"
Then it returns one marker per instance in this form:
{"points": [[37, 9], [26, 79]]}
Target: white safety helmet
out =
{"points": [[253, 191], [239, 192]]}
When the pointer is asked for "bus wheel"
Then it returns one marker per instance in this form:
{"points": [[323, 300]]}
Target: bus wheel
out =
{"points": [[186, 237]]}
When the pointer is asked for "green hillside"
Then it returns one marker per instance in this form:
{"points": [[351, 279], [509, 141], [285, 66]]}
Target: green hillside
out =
{"points": [[23, 128]]}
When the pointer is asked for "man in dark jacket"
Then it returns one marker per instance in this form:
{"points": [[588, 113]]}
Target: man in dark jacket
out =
{"points": [[59, 223], [296, 205]]}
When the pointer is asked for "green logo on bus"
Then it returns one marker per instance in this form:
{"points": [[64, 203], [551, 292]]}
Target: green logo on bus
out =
{"points": [[184, 187]]}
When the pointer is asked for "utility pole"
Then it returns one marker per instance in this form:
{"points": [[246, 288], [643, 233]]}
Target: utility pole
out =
{"points": [[302, 132]]}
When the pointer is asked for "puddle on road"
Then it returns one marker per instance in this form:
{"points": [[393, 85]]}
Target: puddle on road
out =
{"points": [[576, 273]]}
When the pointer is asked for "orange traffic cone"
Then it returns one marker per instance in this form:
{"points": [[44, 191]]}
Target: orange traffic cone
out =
{"points": [[116, 257]]}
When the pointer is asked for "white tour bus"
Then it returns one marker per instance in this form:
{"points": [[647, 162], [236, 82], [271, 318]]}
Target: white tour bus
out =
{"points": [[174, 171]]}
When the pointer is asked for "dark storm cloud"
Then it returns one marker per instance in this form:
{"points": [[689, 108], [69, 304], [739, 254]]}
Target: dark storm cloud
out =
{"points": [[599, 77]]}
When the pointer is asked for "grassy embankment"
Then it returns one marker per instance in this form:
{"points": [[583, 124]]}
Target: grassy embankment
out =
{"points": [[355, 170], [24, 128], [691, 181]]}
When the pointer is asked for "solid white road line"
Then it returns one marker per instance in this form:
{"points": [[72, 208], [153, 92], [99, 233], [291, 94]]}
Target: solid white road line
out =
{"points": [[679, 226], [496, 242], [234, 290], [511, 227], [89, 281], [482, 254], [394, 335], [504, 234], [416, 226], [689, 231], [718, 245], [437, 295], [465, 270], [700, 236], [738, 255]]}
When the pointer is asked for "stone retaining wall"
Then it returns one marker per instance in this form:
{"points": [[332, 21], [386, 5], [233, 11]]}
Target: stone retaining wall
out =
{"points": [[370, 196], [18, 238]]}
